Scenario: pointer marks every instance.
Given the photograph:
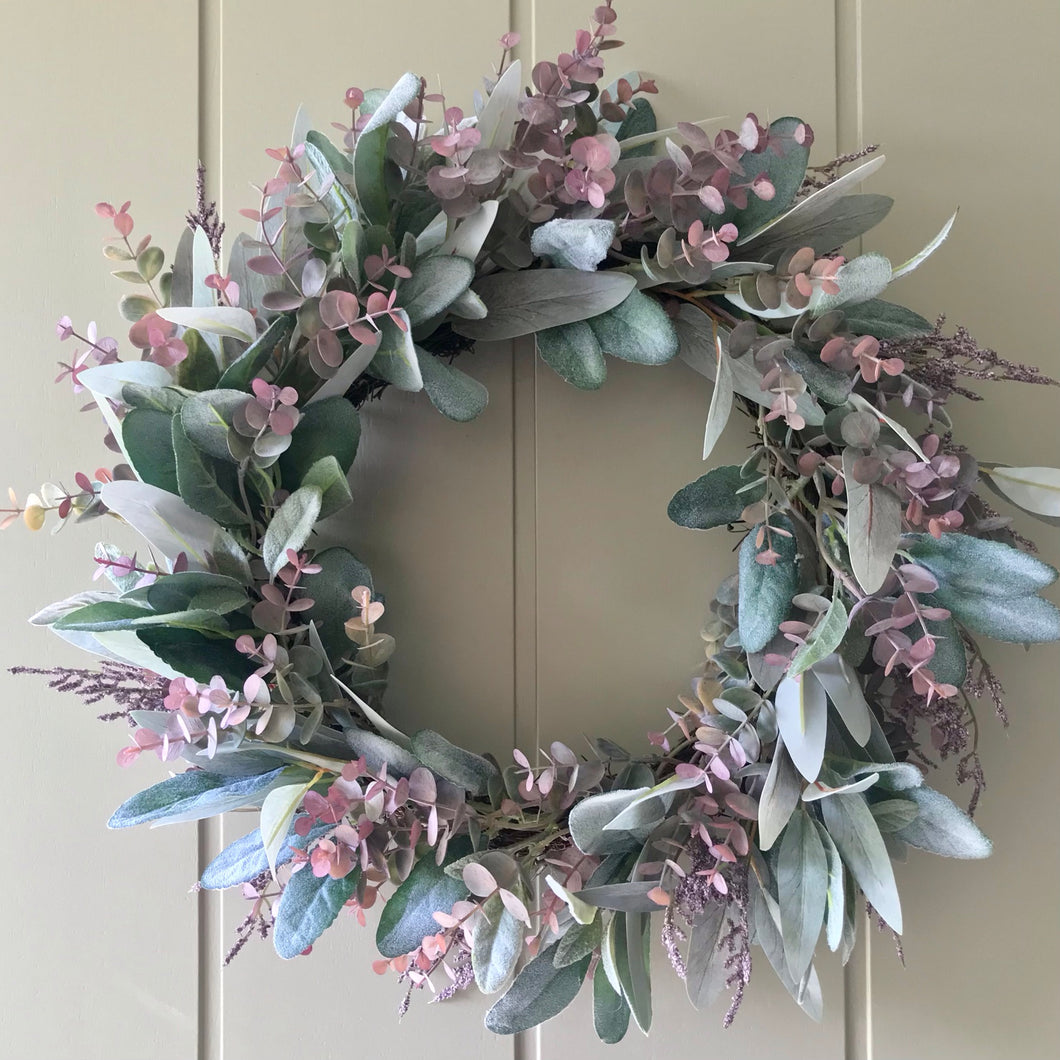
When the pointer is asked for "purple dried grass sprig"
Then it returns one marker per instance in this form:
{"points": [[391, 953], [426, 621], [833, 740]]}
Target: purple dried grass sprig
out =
{"points": [[128, 686], [205, 215]]}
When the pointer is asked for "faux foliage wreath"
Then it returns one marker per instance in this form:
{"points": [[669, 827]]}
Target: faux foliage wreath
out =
{"points": [[792, 773]]}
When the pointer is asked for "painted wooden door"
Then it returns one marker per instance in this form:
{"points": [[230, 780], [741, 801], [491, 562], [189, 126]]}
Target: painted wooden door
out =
{"points": [[541, 526]]}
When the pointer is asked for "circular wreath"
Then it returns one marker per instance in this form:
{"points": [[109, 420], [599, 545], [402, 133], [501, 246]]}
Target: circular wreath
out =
{"points": [[791, 774]]}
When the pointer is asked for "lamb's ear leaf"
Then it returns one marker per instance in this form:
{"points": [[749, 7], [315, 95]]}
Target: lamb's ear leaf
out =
{"points": [[766, 589], [539, 992], [307, 908], [942, 827]]}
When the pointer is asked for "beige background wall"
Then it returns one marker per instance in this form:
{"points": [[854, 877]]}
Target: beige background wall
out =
{"points": [[546, 516]]}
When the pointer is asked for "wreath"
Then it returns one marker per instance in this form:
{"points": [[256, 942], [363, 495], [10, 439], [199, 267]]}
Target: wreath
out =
{"points": [[840, 659]]}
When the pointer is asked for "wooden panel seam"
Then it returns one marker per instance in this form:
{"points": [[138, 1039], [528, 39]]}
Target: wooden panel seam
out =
{"points": [[210, 832]]}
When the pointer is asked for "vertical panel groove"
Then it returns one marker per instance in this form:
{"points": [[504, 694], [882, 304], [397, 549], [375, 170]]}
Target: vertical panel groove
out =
{"points": [[210, 1045], [857, 976], [525, 716]]}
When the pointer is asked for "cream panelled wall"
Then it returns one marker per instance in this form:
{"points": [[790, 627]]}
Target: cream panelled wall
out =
{"points": [[523, 627]]}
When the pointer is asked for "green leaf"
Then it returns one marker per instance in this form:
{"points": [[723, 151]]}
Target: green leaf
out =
{"points": [[352, 251], [632, 958], [706, 970], [369, 174], [1035, 490], [395, 357], [408, 914], [387, 108], [610, 1011], [197, 656], [207, 419], [278, 810], [239, 374], [625, 897], [766, 590], [573, 353], [469, 771], [892, 814], [873, 526], [134, 307], [290, 527], [949, 664], [636, 330], [943, 828], [589, 818], [146, 435], [843, 220], [454, 393], [639, 121], [802, 717], [192, 796], [326, 476], [226, 321], [307, 908], [336, 160], [823, 640], [785, 171], [843, 687], [919, 258], [859, 280], [330, 427], [199, 481], [855, 833], [521, 303], [835, 898], [720, 399], [825, 383], [885, 320], [191, 590], [340, 574], [435, 283], [198, 371], [497, 945], [540, 991], [965, 564], [1017, 619], [244, 859], [802, 888], [779, 798], [581, 940], [712, 500]]}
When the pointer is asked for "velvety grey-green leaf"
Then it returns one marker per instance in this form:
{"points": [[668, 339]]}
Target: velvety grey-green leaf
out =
{"points": [[497, 945], [949, 664], [329, 427], [766, 589], [779, 798], [369, 174], [1017, 619], [884, 320], [825, 383], [244, 859], [610, 1011], [802, 890], [639, 121], [540, 991], [196, 655], [843, 220], [408, 914], [943, 828], [573, 353], [573, 243], [626, 897], [199, 480], [521, 303], [147, 437], [823, 640], [435, 283], [191, 590], [580, 941], [874, 526], [835, 898], [802, 717], [114, 615], [469, 771], [395, 357], [857, 836], [785, 171], [966, 564], [705, 967], [290, 527], [378, 751], [637, 330], [192, 796], [712, 500], [341, 572], [307, 908], [207, 418], [239, 374], [454, 393], [589, 816], [860, 280]]}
